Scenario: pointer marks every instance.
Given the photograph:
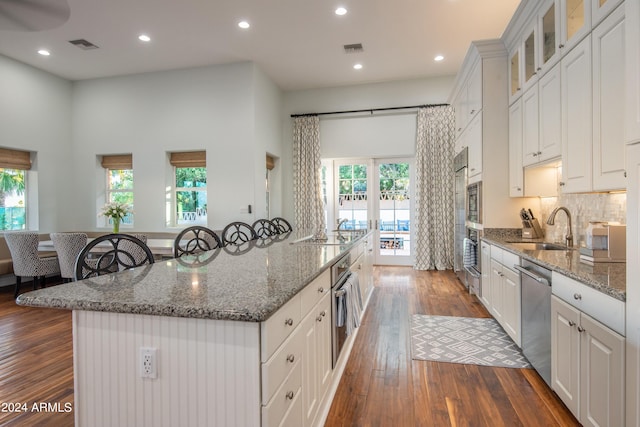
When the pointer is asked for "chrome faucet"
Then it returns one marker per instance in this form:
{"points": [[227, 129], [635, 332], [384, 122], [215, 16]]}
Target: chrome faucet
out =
{"points": [[341, 221], [569, 237]]}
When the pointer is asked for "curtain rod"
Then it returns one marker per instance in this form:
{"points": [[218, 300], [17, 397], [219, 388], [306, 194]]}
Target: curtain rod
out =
{"points": [[369, 110]]}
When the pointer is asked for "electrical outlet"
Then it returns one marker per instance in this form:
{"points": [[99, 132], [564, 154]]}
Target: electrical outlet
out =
{"points": [[148, 362]]}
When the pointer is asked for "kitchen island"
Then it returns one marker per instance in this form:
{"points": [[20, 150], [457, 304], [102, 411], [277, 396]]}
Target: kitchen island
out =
{"points": [[237, 338]]}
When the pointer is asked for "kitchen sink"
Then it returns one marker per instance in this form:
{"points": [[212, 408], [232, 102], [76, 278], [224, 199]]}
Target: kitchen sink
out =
{"points": [[539, 246]]}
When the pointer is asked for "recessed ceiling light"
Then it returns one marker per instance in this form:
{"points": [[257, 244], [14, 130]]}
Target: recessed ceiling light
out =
{"points": [[438, 58], [341, 11], [144, 38], [357, 66], [243, 24], [44, 52]]}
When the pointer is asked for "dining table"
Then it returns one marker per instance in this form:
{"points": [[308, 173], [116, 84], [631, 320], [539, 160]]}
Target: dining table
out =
{"points": [[160, 248]]}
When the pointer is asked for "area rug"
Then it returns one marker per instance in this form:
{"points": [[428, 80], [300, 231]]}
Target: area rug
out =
{"points": [[468, 340]]}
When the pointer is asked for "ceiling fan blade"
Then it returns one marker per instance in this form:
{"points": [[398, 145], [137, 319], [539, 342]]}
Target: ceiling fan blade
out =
{"points": [[33, 15]]}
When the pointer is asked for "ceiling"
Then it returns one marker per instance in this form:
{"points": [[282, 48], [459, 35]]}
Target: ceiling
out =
{"points": [[297, 43]]}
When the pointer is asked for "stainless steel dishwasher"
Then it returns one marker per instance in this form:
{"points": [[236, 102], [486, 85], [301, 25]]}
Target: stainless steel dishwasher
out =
{"points": [[535, 297]]}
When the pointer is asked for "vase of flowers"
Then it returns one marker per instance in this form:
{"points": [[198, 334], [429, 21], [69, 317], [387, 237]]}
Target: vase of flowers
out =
{"points": [[116, 212]]}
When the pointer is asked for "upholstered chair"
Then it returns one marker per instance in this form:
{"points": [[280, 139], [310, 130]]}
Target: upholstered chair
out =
{"points": [[26, 261], [68, 246]]}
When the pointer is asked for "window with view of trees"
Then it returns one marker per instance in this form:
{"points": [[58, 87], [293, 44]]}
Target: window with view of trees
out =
{"points": [[13, 188], [119, 170], [190, 194]]}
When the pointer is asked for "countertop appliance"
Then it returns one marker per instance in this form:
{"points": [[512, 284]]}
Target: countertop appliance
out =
{"points": [[605, 243], [340, 272], [460, 163], [536, 316]]}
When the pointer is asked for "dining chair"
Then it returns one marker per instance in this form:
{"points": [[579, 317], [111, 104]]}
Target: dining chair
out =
{"points": [[111, 253], [265, 228], [195, 239], [238, 233], [26, 261], [68, 247], [282, 225]]}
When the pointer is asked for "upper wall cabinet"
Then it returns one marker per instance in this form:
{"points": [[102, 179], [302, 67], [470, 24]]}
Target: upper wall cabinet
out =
{"points": [[548, 35], [575, 22], [515, 73], [608, 42], [601, 8], [468, 101], [523, 65], [632, 75]]}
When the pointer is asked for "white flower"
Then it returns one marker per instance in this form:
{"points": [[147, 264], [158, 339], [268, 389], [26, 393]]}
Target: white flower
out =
{"points": [[116, 210]]}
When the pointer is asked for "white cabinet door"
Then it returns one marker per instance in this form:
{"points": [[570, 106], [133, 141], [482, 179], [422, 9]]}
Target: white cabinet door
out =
{"points": [[310, 356], [530, 148], [496, 291], [548, 35], [516, 175], [485, 264], [550, 117], [474, 140], [601, 8], [601, 375], [565, 354], [576, 119], [474, 90], [323, 345], [511, 304], [575, 22], [608, 41], [632, 329], [515, 74], [632, 74]]}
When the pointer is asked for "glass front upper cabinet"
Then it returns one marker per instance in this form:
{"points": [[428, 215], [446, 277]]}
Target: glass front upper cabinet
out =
{"points": [[530, 57], [601, 9], [575, 22], [514, 75]]}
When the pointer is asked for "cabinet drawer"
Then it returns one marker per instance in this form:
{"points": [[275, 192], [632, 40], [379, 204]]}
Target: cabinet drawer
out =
{"points": [[281, 364], [284, 400], [356, 251], [496, 253], [277, 328], [510, 259], [314, 292], [596, 304]]}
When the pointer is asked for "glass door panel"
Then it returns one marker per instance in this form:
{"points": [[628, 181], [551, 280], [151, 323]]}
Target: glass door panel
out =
{"points": [[352, 205], [393, 212]]}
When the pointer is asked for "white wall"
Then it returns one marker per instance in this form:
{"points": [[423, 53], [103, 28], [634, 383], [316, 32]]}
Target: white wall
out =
{"points": [[211, 108], [360, 135], [35, 112]]}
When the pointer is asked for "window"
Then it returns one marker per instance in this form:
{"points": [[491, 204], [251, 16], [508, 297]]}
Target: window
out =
{"points": [[119, 179], [13, 189], [190, 190]]}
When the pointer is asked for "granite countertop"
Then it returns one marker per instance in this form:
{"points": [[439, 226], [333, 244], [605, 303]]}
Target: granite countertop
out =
{"points": [[606, 277], [247, 283]]}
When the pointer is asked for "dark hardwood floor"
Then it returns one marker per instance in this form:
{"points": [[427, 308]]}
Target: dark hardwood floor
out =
{"points": [[381, 386]]}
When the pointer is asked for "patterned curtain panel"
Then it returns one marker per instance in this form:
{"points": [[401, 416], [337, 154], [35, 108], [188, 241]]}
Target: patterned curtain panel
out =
{"points": [[434, 214], [307, 184]]}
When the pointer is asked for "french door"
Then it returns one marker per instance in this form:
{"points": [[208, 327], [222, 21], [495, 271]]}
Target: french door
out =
{"points": [[375, 194]]}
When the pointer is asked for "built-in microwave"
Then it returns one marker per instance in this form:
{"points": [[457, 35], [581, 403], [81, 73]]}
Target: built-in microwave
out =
{"points": [[474, 203]]}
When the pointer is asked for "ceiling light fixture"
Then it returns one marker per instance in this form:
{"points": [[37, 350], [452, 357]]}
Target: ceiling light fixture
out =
{"points": [[243, 24], [144, 38], [44, 52], [357, 67], [438, 58], [341, 11]]}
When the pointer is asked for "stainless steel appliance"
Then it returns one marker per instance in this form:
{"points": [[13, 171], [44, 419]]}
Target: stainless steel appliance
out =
{"points": [[460, 213], [340, 273], [536, 316], [474, 205], [473, 272]]}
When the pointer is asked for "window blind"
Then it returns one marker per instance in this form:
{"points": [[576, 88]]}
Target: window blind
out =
{"points": [[189, 159], [15, 159], [119, 161]]}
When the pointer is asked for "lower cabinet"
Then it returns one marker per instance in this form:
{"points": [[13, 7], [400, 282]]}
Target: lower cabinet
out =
{"points": [[485, 264], [503, 301], [587, 366]]}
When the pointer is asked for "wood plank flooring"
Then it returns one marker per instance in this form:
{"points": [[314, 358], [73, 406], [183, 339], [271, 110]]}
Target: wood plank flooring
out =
{"points": [[382, 385]]}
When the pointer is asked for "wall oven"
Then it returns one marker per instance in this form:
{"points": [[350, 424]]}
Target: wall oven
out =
{"points": [[474, 204], [340, 273], [472, 267]]}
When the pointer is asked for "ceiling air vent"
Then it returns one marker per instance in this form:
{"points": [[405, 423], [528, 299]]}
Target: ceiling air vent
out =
{"points": [[353, 48], [83, 44]]}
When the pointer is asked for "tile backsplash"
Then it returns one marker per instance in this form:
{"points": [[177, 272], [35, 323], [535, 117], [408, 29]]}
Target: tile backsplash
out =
{"points": [[584, 208]]}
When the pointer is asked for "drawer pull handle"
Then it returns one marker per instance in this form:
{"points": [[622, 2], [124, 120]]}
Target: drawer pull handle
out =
{"points": [[291, 358], [572, 323], [577, 296], [581, 329], [319, 318], [290, 395], [289, 322]]}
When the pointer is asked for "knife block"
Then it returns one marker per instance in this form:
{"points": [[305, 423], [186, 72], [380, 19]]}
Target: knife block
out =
{"points": [[531, 229]]}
